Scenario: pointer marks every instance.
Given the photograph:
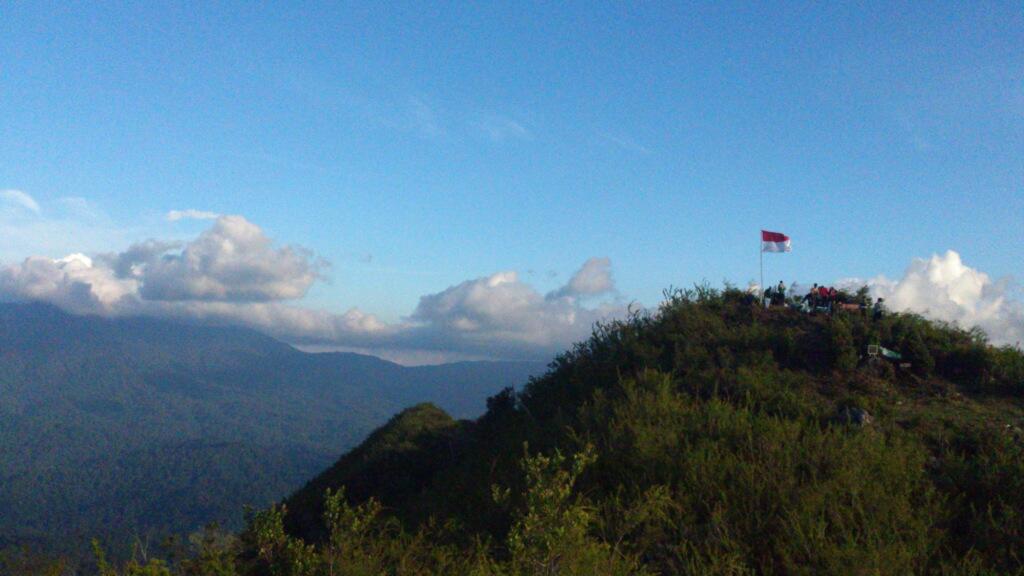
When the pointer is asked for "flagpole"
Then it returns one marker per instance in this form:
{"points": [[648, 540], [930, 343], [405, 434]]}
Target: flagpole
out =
{"points": [[760, 253]]}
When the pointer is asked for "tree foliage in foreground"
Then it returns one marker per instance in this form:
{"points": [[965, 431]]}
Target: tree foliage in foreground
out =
{"points": [[551, 534]]}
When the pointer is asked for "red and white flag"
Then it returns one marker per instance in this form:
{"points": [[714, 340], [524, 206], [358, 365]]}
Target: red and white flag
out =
{"points": [[774, 242]]}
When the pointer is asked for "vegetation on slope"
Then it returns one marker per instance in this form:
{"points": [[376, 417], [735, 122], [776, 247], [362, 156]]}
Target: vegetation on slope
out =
{"points": [[713, 437]]}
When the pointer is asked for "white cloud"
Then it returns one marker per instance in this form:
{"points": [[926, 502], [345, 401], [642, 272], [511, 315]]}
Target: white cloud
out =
{"points": [[496, 316], [500, 312], [132, 262], [19, 200], [113, 285], [74, 283], [231, 261], [190, 214], [944, 288], [593, 278]]}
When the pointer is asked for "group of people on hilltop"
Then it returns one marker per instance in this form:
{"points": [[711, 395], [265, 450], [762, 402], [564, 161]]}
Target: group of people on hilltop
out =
{"points": [[817, 297], [824, 299]]}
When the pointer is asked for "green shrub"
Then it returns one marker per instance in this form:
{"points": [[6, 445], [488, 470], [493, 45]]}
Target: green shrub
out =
{"points": [[1007, 369], [843, 353]]}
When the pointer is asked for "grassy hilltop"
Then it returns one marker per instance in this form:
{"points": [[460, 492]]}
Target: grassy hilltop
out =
{"points": [[710, 437]]}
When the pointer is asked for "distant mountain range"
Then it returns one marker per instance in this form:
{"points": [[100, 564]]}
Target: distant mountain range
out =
{"points": [[145, 427]]}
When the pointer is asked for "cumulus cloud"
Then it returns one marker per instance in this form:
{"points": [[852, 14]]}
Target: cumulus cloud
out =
{"points": [[944, 288], [19, 200], [74, 283], [594, 278], [130, 262], [232, 261], [190, 214], [501, 311]]}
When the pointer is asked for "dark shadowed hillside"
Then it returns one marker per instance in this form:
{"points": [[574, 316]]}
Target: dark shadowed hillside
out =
{"points": [[116, 428]]}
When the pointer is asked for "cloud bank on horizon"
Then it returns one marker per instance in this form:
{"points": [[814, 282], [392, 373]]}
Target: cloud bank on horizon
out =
{"points": [[233, 273]]}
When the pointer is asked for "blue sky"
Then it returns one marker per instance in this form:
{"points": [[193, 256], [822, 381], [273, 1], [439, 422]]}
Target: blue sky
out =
{"points": [[415, 147]]}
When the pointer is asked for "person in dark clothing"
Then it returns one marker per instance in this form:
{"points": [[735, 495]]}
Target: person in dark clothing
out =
{"points": [[879, 309]]}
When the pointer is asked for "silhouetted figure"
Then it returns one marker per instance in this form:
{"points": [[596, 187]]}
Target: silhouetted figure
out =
{"points": [[780, 294]]}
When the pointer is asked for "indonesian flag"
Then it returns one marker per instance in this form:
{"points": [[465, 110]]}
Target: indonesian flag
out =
{"points": [[774, 242]]}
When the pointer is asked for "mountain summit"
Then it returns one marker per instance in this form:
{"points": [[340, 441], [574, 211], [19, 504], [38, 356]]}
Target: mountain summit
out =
{"points": [[712, 437]]}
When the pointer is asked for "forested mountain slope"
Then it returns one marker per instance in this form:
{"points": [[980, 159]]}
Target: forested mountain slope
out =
{"points": [[136, 427], [713, 437]]}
